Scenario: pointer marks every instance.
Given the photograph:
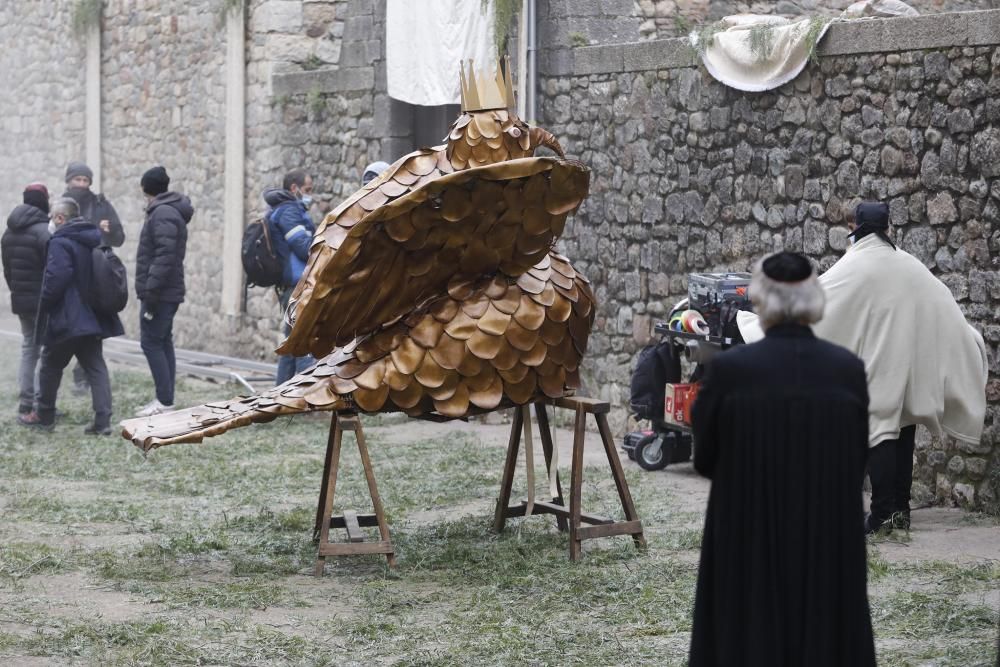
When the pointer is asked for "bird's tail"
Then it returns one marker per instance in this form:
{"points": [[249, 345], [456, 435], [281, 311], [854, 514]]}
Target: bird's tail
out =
{"points": [[211, 419]]}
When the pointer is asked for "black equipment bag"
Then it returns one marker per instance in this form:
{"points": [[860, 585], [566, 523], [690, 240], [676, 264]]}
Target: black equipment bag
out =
{"points": [[261, 263], [657, 365]]}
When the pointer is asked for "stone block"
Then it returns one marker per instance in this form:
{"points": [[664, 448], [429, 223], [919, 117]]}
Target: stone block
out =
{"points": [[556, 62], [278, 16], [359, 29], [392, 117], [975, 467], [598, 60], [898, 34], [280, 47], [965, 495], [984, 27], [324, 80], [358, 8], [941, 209], [659, 54]]}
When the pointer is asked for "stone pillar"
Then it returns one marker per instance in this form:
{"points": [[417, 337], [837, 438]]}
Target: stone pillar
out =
{"points": [[233, 220], [93, 103]]}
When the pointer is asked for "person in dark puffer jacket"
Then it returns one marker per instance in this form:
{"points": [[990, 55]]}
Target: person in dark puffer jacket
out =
{"points": [[72, 327], [23, 252], [159, 282]]}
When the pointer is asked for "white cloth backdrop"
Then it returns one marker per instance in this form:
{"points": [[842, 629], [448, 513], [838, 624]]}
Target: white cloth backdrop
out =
{"points": [[730, 60], [426, 39]]}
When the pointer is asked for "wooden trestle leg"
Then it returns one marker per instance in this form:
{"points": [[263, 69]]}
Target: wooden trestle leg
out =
{"points": [[573, 516], [350, 521]]}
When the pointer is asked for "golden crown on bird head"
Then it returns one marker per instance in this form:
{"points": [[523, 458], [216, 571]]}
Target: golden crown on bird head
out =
{"points": [[489, 131]]}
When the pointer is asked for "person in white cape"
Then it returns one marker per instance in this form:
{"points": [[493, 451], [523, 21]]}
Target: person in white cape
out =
{"points": [[925, 364]]}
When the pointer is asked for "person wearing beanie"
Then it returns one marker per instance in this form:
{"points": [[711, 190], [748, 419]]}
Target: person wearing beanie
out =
{"points": [[159, 281], [781, 428], [22, 250], [96, 208], [373, 171], [926, 365]]}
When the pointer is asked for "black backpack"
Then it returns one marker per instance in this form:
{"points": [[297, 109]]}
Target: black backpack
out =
{"points": [[262, 265], [657, 365], [108, 282]]}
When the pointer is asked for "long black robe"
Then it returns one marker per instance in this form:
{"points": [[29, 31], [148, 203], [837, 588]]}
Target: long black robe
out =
{"points": [[781, 428]]}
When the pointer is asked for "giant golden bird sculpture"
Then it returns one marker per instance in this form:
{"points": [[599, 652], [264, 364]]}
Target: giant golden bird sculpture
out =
{"points": [[435, 289]]}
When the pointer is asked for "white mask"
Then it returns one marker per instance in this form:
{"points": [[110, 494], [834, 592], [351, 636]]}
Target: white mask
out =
{"points": [[306, 200], [52, 227]]}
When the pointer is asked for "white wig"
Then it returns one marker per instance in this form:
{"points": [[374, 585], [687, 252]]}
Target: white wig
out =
{"points": [[781, 302]]}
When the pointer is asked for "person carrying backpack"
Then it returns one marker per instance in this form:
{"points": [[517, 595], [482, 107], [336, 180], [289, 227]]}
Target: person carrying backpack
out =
{"points": [[291, 233], [95, 208], [72, 326]]}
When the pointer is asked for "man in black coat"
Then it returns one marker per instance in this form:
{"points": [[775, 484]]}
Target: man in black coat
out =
{"points": [[94, 208], [97, 209], [72, 327], [23, 251], [159, 282], [781, 428]]}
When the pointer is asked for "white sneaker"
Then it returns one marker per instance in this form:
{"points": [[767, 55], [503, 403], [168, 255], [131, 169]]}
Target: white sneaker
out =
{"points": [[154, 407]]}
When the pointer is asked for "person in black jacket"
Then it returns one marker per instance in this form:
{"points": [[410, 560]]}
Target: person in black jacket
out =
{"points": [[159, 282], [781, 428], [94, 208], [23, 251], [72, 328], [97, 209]]}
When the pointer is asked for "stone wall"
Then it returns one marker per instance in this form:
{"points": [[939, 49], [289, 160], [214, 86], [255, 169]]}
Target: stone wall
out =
{"points": [[42, 108], [689, 175], [165, 104], [662, 19]]}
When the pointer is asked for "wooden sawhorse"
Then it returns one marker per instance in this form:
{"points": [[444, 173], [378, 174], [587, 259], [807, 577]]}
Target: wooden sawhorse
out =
{"points": [[574, 516], [350, 521]]}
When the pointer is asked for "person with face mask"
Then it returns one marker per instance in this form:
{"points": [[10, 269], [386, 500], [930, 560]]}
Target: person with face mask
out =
{"points": [[72, 328], [292, 232], [23, 250]]}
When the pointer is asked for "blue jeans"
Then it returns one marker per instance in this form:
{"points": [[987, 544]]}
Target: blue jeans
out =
{"points": [[289, 366], [28, 371], [156, 338]]}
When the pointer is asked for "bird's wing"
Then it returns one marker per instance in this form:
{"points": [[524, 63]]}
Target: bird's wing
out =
{"points": [[404, 252]]}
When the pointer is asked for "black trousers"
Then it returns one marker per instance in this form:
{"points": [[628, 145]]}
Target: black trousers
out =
{"points": [[890, 468], [89, 351]]}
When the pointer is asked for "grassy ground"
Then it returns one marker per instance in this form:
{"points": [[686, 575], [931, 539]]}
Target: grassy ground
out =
{"points": [[201, 555]]}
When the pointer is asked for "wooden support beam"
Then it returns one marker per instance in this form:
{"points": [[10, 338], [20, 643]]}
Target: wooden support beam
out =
{"points": [[609, 529], [350, 521], [364, 520], [354, 533]]}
